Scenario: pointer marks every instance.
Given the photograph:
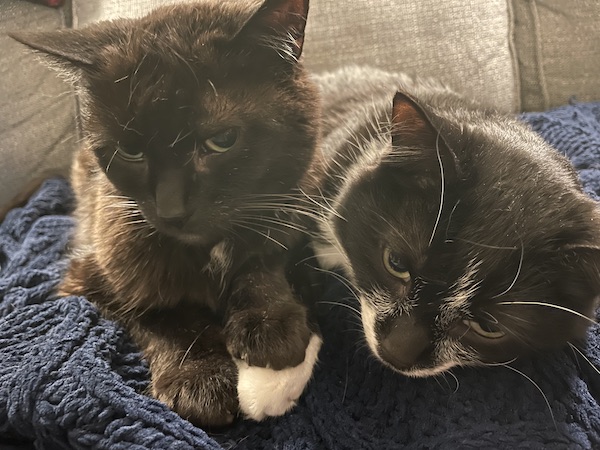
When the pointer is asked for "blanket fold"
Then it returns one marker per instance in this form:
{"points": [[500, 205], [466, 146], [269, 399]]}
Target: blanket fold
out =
{"points": [[72, 379]]}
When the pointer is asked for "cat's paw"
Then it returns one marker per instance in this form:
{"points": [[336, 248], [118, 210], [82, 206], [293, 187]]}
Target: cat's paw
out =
{"points": [[205, 392], [264, 392], [274, 338]]}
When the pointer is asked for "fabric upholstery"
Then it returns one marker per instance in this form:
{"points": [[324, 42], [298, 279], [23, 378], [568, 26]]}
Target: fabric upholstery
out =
{"points": [[557, 51], [37, 112]]}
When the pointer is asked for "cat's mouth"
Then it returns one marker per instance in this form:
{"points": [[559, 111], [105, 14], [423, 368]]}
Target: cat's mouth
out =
{"points": [[184, 229]]}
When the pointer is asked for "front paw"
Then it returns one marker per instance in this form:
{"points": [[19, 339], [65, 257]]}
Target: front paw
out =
{"points": [[265, 392], [275, 337], [203, 392]]}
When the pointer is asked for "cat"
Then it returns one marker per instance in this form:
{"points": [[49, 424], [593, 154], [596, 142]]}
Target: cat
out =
{"points": [[466, 238], [200, 129]]}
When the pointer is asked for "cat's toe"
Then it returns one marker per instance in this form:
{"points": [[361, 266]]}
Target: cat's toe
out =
{"points": [[264, 392], [271, 339], [205, 399]]}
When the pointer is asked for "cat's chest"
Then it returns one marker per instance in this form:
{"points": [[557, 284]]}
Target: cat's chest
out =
{"points": [[220, 261]]}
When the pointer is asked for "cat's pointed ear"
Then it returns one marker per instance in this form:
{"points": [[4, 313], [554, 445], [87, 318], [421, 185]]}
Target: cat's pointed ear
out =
{"points": [[419, 141], [281, 25], [68, 50]]}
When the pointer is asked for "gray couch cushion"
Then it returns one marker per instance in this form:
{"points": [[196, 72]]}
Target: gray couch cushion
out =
{"points": [[558, 51], [462, 42], [37, 128], [86, 11]]}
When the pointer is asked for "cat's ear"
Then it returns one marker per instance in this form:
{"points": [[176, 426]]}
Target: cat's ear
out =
{"points": [[419, 143], [280, 24], [69, 50]]}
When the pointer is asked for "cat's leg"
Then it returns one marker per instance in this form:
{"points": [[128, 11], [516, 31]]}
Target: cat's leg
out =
{"points": [[275, 344], [191, 370]]}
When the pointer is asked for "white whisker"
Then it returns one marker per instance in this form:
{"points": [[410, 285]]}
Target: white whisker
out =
{"points": [[249, 228], [191, 345], [537, 387], [351, 308], [549, 305], [443, 184], [585, 357], [516, 276]]}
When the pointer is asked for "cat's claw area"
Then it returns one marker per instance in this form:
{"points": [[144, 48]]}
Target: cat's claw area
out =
{"points": [[264, 392]]}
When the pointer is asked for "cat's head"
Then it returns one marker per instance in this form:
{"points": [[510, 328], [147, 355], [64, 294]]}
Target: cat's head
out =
{"points": [[468, 241], [195, 109]]}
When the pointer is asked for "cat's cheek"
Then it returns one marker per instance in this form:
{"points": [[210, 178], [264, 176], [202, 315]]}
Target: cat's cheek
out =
{"points": [[264, 392]]}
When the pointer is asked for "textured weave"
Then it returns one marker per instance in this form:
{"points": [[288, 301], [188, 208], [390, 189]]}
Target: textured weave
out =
{"points": [[70, 379], [557, 52]]}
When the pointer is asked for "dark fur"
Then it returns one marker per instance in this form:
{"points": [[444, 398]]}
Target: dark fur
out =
{"points": [[162, 85], [514, 227]]}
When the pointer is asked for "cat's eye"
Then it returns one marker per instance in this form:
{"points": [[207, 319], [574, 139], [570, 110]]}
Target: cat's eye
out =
{"points": [[129, 154], [395, 265], [485, 329], [222, 141]]}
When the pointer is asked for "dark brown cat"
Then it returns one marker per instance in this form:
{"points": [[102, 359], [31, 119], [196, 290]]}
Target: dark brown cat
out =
{"points": [[200, 127], [466, 237]]}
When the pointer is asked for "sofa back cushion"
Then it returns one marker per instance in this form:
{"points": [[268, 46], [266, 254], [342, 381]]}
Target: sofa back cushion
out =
{"points": [[462, 42], [557, 51], [37, 111]]}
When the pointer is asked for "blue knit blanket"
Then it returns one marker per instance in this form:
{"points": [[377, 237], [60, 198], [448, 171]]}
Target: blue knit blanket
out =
{"points": [[71, 379]]}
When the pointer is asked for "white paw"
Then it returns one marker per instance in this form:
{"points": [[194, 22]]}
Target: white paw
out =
{"points": [[264, 392]]}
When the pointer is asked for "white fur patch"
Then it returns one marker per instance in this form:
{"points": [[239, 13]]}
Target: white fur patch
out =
{"points": [[457, 304], [436, 370], [329, 256], [264, 392], [369, 318], [220, 258]]}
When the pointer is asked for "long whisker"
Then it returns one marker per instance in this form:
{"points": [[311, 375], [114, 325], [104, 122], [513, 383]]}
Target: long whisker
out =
{"points": [[342, 279], [328, 209], [500, 364], [241, 225], [351, 308], [443, 183], [495, 247], [450, 218], [277, 221], [538, 388], [455, 379], [187, 352], [585, 357], [111, 159], [550, 305], [516, 276]]}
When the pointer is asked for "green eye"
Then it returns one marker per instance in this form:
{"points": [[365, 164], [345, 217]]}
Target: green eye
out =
{"points": [[395, 266], [223, 141], [129, 154], [485, 329]]}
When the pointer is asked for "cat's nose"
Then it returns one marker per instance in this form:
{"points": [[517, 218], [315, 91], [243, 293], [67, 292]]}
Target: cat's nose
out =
{"points": [[406, 343], [170, 196], [177, 222]]}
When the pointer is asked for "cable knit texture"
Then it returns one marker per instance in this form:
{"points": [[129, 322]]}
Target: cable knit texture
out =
{"points": [[71, 379]]}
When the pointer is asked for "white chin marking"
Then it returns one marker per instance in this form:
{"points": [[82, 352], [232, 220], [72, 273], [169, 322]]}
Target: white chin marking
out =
{"points": [[429, 372], [264, 392]]}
